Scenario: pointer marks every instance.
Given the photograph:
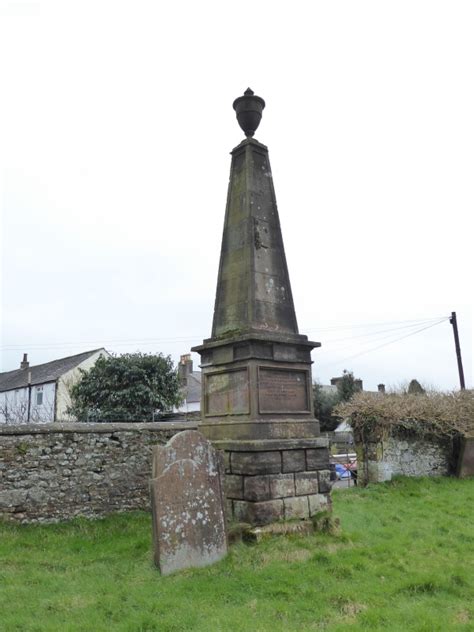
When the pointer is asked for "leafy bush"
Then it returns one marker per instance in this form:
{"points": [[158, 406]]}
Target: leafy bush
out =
{"points": [[325, 401], [415, 388], [324, 404], [130, 387], [346, 387]]}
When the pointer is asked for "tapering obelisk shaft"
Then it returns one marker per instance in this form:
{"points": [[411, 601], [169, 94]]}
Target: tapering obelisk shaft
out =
{"points": [[253, 288]]}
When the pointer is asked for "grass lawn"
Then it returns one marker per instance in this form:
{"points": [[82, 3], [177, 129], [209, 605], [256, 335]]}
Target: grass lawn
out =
{"points": [[404, 561]]}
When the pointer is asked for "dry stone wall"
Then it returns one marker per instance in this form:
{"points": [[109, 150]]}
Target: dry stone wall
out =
{"points": [[407, 456], [54, 472]]}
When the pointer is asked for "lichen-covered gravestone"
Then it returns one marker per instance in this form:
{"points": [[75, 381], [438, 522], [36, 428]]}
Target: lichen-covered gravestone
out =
{"points": [[187, 503]]}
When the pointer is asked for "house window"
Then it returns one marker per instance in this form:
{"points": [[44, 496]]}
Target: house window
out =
{"points": [[39, 395]]}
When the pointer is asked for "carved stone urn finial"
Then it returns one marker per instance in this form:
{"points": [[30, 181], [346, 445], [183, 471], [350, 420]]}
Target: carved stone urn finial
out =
{"points": [[249, 110]]}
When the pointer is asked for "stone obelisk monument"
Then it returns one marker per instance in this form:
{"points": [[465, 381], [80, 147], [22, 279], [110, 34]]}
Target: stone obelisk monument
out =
{"points": [[256, 367]]}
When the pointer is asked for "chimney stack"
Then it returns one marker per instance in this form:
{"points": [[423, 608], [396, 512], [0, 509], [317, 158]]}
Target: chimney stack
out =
{"points": [[358, 383], [185, 367], [381, 388], [24, 364]]}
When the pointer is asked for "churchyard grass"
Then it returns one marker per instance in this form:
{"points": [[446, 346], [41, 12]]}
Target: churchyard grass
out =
{"points": [[404, 560]]}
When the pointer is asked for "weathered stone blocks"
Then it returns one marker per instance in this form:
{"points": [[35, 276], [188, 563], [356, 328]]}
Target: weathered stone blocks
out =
{"points": [[293, 460], [317, 503], [268, 487], [282, 486], [306, 483], [296, 507], [258, 512], [250, 463], [407, 456], [227, 461], [324, 478], [12, 498], [234, 486], [107, 470], [257, 488], [277, 484], [53, 472], [317, 459]]}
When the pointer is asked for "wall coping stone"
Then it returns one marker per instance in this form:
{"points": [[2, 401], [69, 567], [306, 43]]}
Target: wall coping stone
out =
{"points": [[84, 427], [271, 444]]}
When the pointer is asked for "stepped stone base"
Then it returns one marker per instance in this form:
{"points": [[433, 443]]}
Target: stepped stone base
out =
{"points": [[272, 480]]}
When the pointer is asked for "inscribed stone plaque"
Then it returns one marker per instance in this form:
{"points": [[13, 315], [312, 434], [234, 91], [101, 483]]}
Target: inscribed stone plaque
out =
{"points": [[227, 393], [282, 390], [187, 503]]}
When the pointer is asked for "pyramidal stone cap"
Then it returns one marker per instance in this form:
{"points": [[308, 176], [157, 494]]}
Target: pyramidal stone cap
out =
{"points": [[249, 110]]}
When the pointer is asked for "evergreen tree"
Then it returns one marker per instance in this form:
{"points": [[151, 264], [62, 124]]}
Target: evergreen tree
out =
{"points": [[415, 388], [346, 386], [324, 403], [129, 387]]}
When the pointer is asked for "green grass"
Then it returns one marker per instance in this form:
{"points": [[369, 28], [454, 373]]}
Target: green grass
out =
{"points": [[404, 561]]}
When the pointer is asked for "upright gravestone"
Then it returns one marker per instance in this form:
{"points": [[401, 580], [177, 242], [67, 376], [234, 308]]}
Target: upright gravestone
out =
{"points": [[187, 503], [256, 400]]}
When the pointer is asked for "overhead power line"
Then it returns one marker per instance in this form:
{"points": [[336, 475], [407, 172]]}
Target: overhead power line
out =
{"points": [[356, 355], [367, 325], [412, 325], [353, 344], [100, 343], [190, 338]]}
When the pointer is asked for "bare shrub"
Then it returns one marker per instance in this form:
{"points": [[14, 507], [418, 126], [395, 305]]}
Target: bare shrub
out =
{"points": [[422, 414]]}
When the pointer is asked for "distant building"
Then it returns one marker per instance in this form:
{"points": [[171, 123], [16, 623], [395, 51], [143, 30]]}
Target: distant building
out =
{"points": [[191, 385], [41, 393], [358, 384]]}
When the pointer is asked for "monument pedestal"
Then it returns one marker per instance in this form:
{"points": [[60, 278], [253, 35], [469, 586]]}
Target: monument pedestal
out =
{"points": [[257, 408], [270, 480]]}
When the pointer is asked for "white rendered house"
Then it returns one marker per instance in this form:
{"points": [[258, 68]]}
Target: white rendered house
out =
{"points": [[41, 393], [190, 386]]}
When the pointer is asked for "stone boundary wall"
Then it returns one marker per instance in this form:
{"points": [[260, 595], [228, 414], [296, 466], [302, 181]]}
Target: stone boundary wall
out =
{"points": [[53, 472], [407, 456]]}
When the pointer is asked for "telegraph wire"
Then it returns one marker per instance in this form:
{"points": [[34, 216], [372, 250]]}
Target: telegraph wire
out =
{"points": [[347, 345], [356, 355], [102, 343], [382, 331], [367, 325], [184, 339]]}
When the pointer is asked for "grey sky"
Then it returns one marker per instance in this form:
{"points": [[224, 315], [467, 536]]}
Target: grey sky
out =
{"points": [[116, 125]]}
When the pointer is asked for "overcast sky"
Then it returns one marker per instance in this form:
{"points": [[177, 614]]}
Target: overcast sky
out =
{"points": [[116, 124]]}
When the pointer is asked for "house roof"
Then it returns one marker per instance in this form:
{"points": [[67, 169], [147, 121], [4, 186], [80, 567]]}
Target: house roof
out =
{"points": [[42, 373], [329, 388], [192, 389]]}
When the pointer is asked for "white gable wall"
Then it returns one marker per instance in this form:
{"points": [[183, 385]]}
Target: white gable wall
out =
{"points": [[188, 407], [14, 404], [66, 382]]}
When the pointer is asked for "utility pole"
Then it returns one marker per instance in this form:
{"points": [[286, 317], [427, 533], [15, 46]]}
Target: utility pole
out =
{"points": [[454, 323], [29, 397]]}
